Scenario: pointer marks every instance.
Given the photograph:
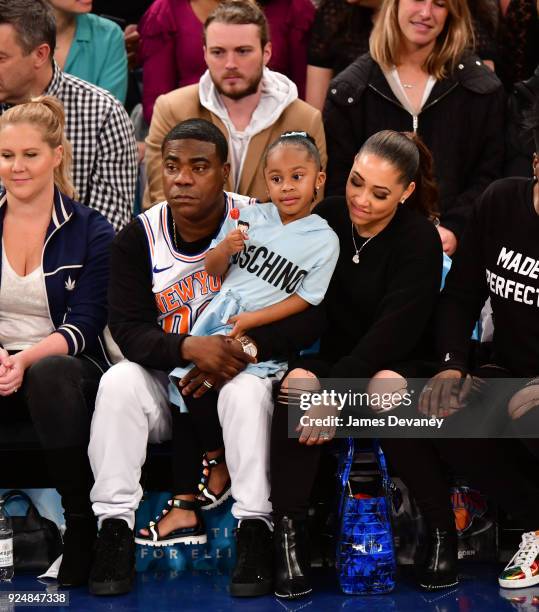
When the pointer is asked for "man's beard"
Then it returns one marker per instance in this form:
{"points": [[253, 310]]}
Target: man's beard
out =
{"points": [[237, 94]]}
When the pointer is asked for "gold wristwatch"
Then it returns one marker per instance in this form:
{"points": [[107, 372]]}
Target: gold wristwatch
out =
{"points": [[248, 346]]}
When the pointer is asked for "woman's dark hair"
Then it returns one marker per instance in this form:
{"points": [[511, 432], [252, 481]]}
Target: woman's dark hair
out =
{"points": [[199, 129], [411, 157], [296, 139], [532, 123], [486, 13]]}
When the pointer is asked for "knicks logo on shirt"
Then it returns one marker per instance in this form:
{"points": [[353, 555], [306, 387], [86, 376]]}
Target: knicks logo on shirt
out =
{"points": [[181, 303]]}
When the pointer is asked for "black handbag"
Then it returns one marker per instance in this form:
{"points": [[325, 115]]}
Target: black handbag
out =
{"points": [[36, 540]]}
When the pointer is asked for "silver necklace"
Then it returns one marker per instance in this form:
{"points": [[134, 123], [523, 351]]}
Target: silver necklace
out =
{"points": [[355, 258]]}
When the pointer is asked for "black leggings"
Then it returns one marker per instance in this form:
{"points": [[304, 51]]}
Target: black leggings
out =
{"points": [[293, 466], [193, 434], [58, 395]]}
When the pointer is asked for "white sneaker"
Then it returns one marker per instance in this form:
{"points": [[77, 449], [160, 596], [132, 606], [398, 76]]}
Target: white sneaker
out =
{"points": [[523, 569]]}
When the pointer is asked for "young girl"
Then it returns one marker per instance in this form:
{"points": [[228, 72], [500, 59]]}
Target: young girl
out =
{"points": [[277, 267]]}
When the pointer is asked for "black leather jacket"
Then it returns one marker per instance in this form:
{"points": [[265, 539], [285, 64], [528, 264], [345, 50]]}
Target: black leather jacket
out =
{"points": [[462, 123]]}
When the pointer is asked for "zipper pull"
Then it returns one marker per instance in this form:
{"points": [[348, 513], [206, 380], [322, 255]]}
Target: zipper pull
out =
{"points": [[415, 123]]}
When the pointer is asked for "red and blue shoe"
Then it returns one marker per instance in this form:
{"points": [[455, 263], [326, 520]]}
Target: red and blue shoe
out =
{"points": [[523, 569]]}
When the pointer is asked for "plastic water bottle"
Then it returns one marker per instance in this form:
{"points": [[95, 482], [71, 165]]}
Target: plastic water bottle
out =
{"points": [[6, 546]]}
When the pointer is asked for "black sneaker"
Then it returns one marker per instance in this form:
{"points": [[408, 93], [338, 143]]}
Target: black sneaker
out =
{"points": [[113, 571], [253, 574]]}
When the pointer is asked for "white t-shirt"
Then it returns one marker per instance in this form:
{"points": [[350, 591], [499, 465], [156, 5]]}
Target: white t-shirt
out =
{"points": [[24, 310]]}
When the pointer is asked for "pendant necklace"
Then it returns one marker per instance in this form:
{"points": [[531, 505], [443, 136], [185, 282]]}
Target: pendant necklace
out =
{"points": [[355, 258], [398, 78]]}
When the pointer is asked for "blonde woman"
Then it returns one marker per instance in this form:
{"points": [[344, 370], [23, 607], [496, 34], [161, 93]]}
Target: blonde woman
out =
{"points": [[419, 76], [53, 281]]}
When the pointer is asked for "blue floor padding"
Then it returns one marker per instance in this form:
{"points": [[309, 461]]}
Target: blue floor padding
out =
{"points": [[204, 592]]}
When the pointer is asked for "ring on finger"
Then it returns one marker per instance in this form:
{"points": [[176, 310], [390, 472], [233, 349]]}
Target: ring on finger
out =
{"points": [[207, 384], [324, 435]]}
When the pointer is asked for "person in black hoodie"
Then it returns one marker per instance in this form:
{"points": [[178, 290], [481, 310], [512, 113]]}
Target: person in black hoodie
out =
{"points": [[379, 304], [498, 258], [519, 145], [420, 76]]}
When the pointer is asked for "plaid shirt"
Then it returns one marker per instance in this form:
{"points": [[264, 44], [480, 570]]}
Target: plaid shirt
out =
{"points": [[104, 149]]}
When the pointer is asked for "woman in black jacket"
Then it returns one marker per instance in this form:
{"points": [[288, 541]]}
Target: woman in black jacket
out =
{"points": [[379, 305], [341, 32], [418, 76]]}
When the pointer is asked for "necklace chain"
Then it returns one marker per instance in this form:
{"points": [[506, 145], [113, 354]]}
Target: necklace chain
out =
{"points": [[355, 258], [174, 233]]}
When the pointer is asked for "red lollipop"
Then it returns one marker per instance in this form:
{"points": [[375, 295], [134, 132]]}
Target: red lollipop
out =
{"points": [[235, 214]]}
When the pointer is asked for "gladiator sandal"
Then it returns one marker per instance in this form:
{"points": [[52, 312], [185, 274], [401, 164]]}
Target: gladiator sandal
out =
{"points": [[184, 535], [207, 498]]}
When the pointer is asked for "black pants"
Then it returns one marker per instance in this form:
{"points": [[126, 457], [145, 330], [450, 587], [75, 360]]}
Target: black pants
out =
{"points": [[193, 434], [57, 396], [504, 469], [501, 469], [496, 467]]}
